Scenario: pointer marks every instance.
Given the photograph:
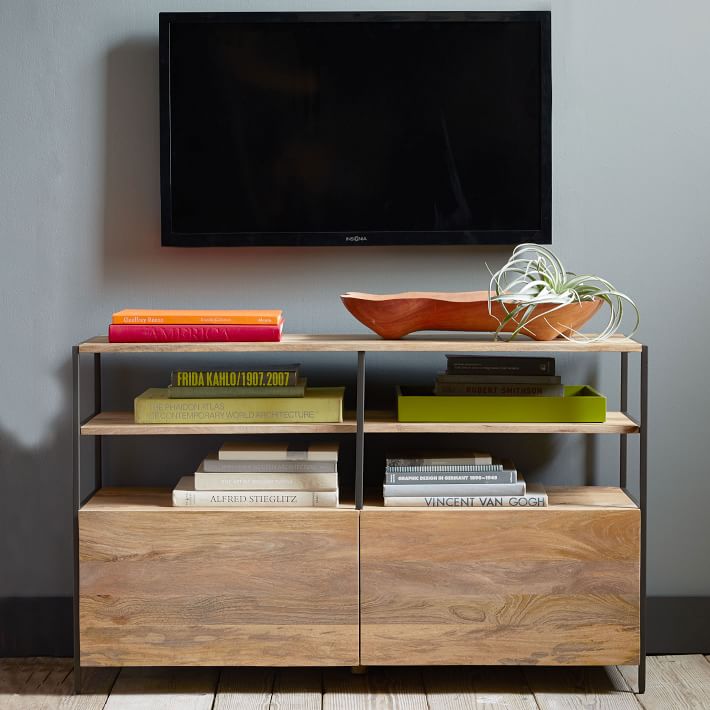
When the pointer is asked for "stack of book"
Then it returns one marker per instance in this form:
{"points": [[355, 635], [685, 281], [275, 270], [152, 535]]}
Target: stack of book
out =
{"points": [[499, 389], [501, 376], [247, 475], [141, 325], [259, 395], [461, 479]]}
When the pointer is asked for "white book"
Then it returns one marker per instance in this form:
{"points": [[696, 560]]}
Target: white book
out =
{"points": [[235, 451], [534, 498], [206, 481], [184, 494], [213, 464]]}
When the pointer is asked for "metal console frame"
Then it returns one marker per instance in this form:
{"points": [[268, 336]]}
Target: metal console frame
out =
{"points": [[78, 501]]}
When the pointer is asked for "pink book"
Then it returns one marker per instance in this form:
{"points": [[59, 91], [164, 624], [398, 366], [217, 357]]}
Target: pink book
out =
{"points": [[194, 333]]}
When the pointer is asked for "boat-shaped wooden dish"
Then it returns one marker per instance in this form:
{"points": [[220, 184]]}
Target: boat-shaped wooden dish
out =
{"points": [[395, 315]]}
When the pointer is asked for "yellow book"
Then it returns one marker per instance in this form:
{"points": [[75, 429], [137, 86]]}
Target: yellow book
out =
{"points": [[318, 405]]}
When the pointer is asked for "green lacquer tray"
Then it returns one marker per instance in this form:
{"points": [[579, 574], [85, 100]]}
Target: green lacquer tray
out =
{"points": [[580, 403]]}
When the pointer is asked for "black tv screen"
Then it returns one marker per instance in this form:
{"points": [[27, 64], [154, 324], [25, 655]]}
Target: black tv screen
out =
{"points": [[355, 128]]}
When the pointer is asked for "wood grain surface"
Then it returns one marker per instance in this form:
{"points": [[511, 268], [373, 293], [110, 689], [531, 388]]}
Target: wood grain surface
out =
{"points": [[555, 586], [298, 689], [674, 682], [245, 689], [124, 424], [560, 497], [581, 689], [126, 498], [616, 423], [380, 688], [470, 343], [48, 684], [218, 587], [457, 688], [163, 689]]}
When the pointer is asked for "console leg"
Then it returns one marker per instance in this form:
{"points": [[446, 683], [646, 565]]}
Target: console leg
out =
{"points": [[643, 505], [77, 679], [76, 502], [358, 670], [360, 430], [642, 676]]}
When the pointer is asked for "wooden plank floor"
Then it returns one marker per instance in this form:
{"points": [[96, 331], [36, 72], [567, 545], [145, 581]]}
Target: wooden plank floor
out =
{"points": [[673, 683]]}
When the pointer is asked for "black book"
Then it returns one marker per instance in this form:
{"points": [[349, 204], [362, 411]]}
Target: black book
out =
{"points": [[470, 379], [499, 365]]}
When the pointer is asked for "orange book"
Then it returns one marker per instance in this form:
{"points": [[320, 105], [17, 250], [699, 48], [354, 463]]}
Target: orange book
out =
{"points": [[146, 316]]}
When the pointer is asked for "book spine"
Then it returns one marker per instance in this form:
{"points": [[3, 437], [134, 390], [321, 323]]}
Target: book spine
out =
{"points": [[251, 499], [193, 333], [234, 466], [219, 392], [498, 390], [420, 466], [282, 452], [269, 482], [268, 410], [234, 378], [475, 379], [505, 365], [404, 478], [196, 319], [455, 489], [530, 500]]}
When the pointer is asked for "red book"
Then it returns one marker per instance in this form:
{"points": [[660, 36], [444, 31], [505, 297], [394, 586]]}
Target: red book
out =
{"points": [[194, 333]]}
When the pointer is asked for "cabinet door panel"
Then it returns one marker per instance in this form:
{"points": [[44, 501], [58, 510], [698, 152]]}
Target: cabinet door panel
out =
{"points": [[273, 588], [550, 586]]}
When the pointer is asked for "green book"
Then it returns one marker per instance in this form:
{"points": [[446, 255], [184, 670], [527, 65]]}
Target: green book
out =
{"points": [[318, 405], [297, 390], [579, 403]]}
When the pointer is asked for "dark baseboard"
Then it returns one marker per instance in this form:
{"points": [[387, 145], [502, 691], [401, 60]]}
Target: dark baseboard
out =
{"points": [[678, 625], [42, 626], [36, 626]]}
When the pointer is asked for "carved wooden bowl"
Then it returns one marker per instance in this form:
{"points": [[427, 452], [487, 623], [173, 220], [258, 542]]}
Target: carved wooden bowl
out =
{"points": [[395, 315]]}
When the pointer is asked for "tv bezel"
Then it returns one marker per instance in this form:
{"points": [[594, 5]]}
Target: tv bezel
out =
{"points": [[543, 235]]}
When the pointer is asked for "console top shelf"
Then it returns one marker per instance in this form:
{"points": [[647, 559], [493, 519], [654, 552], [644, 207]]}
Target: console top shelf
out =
{"points": [[465, 342]]}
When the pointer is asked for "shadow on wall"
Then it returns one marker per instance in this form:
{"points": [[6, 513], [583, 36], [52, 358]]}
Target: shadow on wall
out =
{"points": [[131, 181], [36, 537], [35, 505]]}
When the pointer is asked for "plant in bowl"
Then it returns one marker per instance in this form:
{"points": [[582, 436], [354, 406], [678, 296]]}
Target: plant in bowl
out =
{"points": [[534, 283]]}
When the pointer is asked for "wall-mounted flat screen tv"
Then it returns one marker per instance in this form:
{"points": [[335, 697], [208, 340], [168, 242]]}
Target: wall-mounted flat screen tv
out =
{"points": [[355, 128]]}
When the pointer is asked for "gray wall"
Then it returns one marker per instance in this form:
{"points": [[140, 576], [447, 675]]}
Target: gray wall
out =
{"points": [[79, 222]]}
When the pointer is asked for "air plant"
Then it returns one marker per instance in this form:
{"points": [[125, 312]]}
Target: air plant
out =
{"points": [[534, 276]]}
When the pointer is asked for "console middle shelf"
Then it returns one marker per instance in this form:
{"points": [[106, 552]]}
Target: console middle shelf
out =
{"points": [[376, 422]]}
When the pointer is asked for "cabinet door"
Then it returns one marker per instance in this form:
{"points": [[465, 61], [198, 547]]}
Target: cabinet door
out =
{"points": [[555, 586], [271, 588]]}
